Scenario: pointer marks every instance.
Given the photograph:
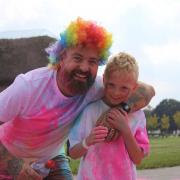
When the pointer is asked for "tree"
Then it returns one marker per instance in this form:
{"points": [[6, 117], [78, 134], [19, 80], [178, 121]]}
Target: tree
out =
{"points": [[176, 118], [168, 107], [164, 124], [152, 122]]}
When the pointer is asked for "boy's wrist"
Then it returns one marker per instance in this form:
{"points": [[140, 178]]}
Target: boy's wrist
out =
{"points": [[84, 144]]}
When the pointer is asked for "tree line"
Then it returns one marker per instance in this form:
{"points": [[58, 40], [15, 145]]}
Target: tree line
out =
{"points": [[164, 119]]}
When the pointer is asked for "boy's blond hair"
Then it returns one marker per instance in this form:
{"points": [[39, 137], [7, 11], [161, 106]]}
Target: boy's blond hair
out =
{"points": [[122, 62]]}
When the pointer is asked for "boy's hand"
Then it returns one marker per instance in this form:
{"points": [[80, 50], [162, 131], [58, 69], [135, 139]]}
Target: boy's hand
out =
{"points": [[118, 119], [97, 135]]}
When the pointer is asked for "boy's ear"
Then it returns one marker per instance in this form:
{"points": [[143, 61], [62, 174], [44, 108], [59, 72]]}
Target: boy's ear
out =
{"points": [[103, 79], [135, 87]]}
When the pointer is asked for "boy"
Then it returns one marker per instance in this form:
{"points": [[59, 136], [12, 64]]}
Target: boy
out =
{"points": [[115, 159]]}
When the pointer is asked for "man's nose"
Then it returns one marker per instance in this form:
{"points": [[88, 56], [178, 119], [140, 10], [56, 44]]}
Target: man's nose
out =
{"points": [[84, 66]]}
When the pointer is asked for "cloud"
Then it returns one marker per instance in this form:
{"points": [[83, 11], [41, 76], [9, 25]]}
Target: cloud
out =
{"points": [[164, 54], [164, 90], [162, 11], [19, 13], [149, 30]]}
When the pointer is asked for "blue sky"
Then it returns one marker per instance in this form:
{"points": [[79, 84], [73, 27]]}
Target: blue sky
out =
{"points": [[147, 29]]}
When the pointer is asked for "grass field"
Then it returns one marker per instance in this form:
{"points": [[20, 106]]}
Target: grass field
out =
{"points": [[165, 152]]}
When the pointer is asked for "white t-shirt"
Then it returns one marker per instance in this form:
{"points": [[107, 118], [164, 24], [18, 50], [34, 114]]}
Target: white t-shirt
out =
{"points": [[37, 116], [107, 160]]}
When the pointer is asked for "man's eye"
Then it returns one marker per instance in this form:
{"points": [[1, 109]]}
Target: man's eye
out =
{"points": [[93, 62], [77, 58]]}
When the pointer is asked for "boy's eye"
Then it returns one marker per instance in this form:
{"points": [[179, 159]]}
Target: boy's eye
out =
{"points": [[110, 85], [125, 89]]}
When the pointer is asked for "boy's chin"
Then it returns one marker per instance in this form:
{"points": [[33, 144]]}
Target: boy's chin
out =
{"points": [[114, 104]]}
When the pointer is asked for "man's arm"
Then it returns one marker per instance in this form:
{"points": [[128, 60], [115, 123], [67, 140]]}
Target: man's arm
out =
{"points": [[141, 97]]}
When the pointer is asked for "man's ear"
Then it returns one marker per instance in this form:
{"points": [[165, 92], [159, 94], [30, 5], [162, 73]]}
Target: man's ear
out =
{"points": [[63, 55]]}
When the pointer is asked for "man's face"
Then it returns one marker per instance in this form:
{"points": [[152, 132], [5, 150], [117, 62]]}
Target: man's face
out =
{"points": [[118, 87], [78, 69]]}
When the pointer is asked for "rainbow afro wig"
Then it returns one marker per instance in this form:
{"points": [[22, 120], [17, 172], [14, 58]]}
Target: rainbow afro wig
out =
{"points": [[81, 32]]}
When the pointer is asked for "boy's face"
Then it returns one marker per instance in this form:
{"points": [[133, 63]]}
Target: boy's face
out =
{"points": [[118, 87]]}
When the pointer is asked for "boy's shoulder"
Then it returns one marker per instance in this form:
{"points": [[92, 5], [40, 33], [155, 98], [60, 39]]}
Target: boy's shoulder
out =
{"points": [[93, 105], [138, 118], [138, 113], [94, 109]]}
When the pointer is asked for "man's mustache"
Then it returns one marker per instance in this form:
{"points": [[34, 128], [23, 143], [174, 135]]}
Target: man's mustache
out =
{"points": [[87, 73]]}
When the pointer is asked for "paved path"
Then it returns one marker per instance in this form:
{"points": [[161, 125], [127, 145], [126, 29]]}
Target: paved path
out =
{"points": [[172, 173]]}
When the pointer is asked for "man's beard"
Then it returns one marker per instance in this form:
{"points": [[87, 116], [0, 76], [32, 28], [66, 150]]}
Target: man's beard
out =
{"points": [[78, 87]]}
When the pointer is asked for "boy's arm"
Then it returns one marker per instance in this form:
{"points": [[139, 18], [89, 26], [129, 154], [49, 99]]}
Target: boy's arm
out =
{"points": [[137, 144], [141, 97], [119, 120], [134, 150], [77, 151], [97, 135]]}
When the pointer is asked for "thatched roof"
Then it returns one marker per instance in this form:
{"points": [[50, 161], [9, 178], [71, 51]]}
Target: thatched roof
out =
{"points": [[21, 55]]}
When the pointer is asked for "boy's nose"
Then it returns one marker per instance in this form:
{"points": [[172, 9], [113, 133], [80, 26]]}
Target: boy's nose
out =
{"points": [[117, 92]]}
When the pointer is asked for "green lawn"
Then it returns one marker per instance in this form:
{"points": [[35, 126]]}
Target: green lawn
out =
{"points": [[165, 152]]}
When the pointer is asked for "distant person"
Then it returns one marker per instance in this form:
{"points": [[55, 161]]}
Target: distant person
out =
{"points": [[104, 158], [39, 108]]}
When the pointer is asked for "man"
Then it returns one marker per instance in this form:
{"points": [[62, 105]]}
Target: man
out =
{"points": [[39, 108]]}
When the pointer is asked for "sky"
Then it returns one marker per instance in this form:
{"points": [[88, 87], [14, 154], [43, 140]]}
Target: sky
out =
{"points": [[147, 29]]}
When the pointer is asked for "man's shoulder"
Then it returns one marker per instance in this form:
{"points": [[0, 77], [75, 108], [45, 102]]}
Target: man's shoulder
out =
{"points": [[34, 79], [38, 73]]}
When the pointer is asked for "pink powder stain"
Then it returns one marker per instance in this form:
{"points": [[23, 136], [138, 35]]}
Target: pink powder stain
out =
{"points": [[4, 177], [99, 158], [33, 131]]}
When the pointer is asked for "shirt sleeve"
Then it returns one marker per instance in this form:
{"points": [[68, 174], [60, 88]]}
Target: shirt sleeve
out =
{"points": [[13, 99], [141, 134]]}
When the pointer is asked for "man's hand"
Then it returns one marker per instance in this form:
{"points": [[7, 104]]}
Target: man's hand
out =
{"points": [[27, 173], [141, 97], [16, 168]]}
